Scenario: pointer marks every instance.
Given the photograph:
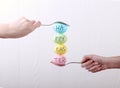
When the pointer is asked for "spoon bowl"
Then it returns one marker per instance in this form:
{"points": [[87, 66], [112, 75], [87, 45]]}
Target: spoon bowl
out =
{"points": [[55, 23]]}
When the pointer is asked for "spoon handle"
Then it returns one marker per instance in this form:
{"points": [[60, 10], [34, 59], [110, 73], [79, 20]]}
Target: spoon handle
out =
{"points": [[73, 63], [46, 24]]}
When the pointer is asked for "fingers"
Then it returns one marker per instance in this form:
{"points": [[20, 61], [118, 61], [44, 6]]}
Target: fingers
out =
{"points": [[36, 24], [32, 23], [87, 63], [92, 66], [91, 63], [86, 58], [95, 68], [23, 19]]}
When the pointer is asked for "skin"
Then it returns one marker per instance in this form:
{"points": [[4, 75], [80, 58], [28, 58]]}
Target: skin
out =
{"points": [[95, 63], [18, 28], [23, 27]]}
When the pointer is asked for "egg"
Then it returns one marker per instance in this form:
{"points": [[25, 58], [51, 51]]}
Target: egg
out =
{"points": [[60, 49], [60, 27], [60, 38], [59, 60]]}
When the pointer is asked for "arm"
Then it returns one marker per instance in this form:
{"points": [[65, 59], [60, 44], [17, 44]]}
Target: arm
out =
{"points": [[113, 62], [3, 30], [95, 63], [19, 28]]}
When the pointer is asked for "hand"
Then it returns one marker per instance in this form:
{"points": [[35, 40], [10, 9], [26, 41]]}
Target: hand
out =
{"points": [[94, 63], [21, 28]]}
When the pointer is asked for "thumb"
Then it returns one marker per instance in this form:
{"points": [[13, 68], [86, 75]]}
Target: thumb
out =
{"points": [[86, 58], [36, 24]]}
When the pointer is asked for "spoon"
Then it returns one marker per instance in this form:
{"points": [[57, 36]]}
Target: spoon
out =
{"points": [[62, 64], [60, 22], [72, 63]]}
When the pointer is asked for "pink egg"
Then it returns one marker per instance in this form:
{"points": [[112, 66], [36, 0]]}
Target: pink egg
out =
{"points": [[59, 61]]}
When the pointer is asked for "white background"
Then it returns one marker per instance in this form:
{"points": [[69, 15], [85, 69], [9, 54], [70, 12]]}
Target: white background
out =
{"points": [[95, 29]]}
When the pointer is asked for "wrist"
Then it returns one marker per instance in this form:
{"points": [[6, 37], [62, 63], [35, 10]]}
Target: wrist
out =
{"points": [[4, 30], [113, 62]]}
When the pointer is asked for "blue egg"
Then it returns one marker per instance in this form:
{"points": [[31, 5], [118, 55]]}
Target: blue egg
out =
{"points": [[60, 27]]}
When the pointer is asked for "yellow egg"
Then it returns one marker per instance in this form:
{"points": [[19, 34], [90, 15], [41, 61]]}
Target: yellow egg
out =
{"points": [[60, 49]]}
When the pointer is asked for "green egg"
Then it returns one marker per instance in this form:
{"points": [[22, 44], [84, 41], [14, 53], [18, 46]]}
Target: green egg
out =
{"points": [[60, 38]]}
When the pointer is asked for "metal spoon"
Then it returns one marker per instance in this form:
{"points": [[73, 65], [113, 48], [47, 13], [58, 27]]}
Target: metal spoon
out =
{"points": [[72, 63], [54, 23], [66, 63]]}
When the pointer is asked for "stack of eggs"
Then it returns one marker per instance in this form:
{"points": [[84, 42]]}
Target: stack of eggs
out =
{"points": [[60, 38]]}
